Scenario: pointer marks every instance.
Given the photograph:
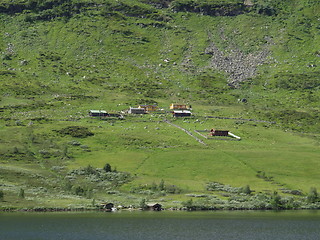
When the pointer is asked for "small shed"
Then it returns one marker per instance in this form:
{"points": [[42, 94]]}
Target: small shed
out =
{"points": [[181, 113], [107, 206], [137, 111], [154, 206], [214, 132], [149, 108], [98, 113], [175, 106]]}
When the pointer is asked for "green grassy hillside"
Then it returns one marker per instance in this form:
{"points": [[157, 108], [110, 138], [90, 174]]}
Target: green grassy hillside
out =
{"points": [[250, 67]]}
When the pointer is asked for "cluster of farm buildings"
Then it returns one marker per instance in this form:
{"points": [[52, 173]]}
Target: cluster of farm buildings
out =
{"points": [[177, 110]]}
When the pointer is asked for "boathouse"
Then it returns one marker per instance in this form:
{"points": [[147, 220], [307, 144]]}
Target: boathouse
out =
{"points": [[107, 206], [154, 206]]}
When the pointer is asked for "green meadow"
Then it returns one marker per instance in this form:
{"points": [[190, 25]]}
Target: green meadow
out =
{"points": [[251, 70]]}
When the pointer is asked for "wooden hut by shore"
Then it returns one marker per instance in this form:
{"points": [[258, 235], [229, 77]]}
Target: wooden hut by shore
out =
{"points": [[154, 206]]}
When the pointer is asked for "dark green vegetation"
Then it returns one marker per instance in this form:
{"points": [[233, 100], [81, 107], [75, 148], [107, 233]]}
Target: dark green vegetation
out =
{"points": [[61, 58]]}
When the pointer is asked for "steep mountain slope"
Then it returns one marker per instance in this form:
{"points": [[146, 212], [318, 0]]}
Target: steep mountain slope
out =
{"points": [[62, 58]]}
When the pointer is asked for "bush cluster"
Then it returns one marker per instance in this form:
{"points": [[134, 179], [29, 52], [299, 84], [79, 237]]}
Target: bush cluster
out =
{"points": [[76, 131], [215, 186], [98, 177], [1, 195], [156, 189], [211, 8]]}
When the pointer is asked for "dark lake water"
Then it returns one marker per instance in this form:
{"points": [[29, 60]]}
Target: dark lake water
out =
{"points": [[162, 225]]}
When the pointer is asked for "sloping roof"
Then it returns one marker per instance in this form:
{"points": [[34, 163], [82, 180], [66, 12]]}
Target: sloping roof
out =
{"points": [[181, 111], [147, 105], [97, 111], [153, 204], [136, 109]]}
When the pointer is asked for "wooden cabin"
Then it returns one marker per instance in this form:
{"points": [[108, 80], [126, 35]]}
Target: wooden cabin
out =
{"points": [[154, 206], [223, 133], [107, 206], [175, 106], [98, 113], [149, 108], [181, 113], [136, 111]]}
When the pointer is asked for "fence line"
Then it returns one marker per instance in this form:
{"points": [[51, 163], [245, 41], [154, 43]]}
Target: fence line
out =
{"points": [[186, 131], [243, 119]]}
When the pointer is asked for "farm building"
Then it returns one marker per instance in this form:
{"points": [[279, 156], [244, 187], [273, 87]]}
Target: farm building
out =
{"points": [[98, 113], [149, 108], [181, 113], [174, 106], [154, 206], [214, 132], [136, 110]]}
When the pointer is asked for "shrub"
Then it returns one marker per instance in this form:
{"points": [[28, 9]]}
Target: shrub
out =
{"points": [[89, 170], [297, 81], [276, 201], [246, 190], [161, 185], [128, 9], [189, 205], [212, 8], [1, 195], [313, 195], [172, 189], [76, 131], [143, 204], [215, 186], [107, 168], [67, 185], [79, 191], [21, 193]]}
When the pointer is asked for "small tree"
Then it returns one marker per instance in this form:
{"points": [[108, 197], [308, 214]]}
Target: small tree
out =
{"points": [[107, 168], [67, 185], [313, 195], [189, 205], [1, 195], [89, 170], [276, 201], [246, 190], [65, 152], [21, 193], [161, 185], [143, 204], [79, 191], [89, 193], [15, 150], [154, 187]]}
